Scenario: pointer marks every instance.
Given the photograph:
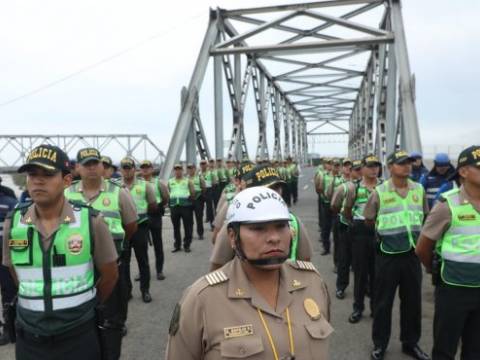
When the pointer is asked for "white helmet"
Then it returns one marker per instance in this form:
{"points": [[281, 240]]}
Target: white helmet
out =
{"points": [[257, 204]]}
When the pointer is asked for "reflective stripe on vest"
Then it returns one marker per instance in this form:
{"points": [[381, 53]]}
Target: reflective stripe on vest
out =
{"points": [[108, 203], [196, 185], [459, 247], [43, 286], [139, 194], [179, 192], [295, 236], [399, 220]]}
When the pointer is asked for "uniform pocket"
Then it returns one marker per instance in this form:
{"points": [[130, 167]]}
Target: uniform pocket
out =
{"points": [[241, 347], [319, 332]]}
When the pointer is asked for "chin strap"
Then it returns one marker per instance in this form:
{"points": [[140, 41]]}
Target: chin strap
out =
{"points": [[256, 262]]}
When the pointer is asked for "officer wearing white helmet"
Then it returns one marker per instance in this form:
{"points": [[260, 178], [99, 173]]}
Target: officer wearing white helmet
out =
{"points": [[259, 305]]}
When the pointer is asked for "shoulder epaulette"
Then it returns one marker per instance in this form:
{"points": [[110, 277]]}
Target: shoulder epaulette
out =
{"points": [[303, 265], [216, 277]]}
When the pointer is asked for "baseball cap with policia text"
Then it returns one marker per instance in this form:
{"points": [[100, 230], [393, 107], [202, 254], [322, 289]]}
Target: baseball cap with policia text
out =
{"points": [[48, 157], [399, 157], [88, 154]]}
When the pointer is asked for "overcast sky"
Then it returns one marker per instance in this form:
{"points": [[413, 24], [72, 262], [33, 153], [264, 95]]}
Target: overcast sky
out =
{"points": [[139, 91]]}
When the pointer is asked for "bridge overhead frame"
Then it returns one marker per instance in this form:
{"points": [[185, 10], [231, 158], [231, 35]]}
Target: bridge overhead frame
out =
{"points": [[17, 147], [377, 113]]}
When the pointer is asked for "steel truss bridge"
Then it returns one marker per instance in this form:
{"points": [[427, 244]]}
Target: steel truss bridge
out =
{"points": [[328, 68], [15, 148]]}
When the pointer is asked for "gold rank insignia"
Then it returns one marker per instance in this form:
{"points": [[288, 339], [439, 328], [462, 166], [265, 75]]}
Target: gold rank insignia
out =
{"points": [[296, 283], [238, 331], [239, 292], [305, 265], [29, 220], [67, 219], [312, 309]]}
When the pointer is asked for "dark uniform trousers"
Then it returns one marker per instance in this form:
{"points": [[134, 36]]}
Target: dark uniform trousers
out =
{"points": [[320, 211], [363, 261], [185, 214], [287, 193], [344, 253], [209, 205], [336, 238], [198, 207], [7, 286], [139, 242], [215, 196], [80, 343], [294, 189], [155, 227], [114, 316], [457, 316], [327, 225], [402, 271]]}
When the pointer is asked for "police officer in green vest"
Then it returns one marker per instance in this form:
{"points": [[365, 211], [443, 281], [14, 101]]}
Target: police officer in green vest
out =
{"points": [[222, 177], [319, 173], [397, 208], [362, 237], [109, 168], [63, 258], [199, 200], [118, 209], [207, 175], [182, 194], [155, 222], [452, 232], [146, 203], [293, 184]]}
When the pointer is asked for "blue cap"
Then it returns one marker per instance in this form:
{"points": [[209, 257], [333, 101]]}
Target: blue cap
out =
{"points": [[442, 159], [416, 155]]}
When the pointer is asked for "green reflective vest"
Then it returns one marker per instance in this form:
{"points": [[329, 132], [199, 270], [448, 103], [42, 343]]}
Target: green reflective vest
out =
{"points": [[107, 202], [156, 186], [295, 228], [179, 192], [222, 175], [230, 192], [459, 247], [399, 220], [327, 180], [231, 172], [362, 194], [56, 286], [196, 185], [139, 195], [343, 220], [208, 176]]}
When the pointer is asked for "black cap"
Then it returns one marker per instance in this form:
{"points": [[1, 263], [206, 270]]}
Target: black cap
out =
{"points": [[127, 162], [146, 163], [346, 161], [356, 164], [262, 175], [245, 168], [203, 161], [398, 157], [107, 160], [48, 157], [190, 166], [336, 161], [469, 156], [371, 160], [178, 166], [88, 154]]}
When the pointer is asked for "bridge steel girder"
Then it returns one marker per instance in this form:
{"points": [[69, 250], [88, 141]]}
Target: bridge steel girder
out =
{"points": [[321, 88], [15, 148]]}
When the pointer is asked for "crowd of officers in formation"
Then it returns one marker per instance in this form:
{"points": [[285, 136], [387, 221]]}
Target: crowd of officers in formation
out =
{"points": [[67, 248], [384, 229]]}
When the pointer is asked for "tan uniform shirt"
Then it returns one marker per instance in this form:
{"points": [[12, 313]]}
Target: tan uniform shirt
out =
{"points": [[319, 183], [104, 247], [222, 250], [221, 321], [373, 203], [220, 216], [439, 219], [337, 198], [128, 211]]}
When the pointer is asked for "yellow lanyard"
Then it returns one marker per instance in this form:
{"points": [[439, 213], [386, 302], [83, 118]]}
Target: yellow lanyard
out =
{"points": [[270, 339]]}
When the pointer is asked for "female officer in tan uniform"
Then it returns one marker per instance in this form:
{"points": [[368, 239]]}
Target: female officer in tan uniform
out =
{"points": [[257, 306]]}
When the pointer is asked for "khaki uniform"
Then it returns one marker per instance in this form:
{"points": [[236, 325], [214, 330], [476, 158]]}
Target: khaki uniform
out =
{"points": [[221, 215], [217, 317], [104, 253], [222, 250]]}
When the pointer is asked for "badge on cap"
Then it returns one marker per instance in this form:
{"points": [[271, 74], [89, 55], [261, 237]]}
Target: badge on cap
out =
{"points": [[75, 244], [312, 309]]}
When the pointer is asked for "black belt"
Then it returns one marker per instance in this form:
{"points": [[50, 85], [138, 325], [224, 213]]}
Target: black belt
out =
{"points": [[41, 339]]}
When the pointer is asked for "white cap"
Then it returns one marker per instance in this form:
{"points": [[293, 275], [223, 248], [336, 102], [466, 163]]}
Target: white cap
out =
{"points": [[257, 204]]}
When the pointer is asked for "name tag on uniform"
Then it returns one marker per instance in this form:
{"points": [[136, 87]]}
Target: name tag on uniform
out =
{"points": [[467, 217], [18, 243], [238, 331]]}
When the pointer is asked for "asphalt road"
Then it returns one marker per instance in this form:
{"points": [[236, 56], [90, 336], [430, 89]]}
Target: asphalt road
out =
{"points": [[148, 323]]}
